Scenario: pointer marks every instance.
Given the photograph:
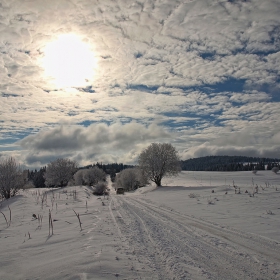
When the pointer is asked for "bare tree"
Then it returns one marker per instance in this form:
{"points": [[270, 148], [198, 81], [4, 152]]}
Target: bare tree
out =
{"points": [[93, 175], [59, 172], [11, 178], [131, 179], [159, 160]]}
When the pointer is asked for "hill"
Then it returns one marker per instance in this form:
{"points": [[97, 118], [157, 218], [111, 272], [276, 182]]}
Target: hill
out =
{"points": [[229, 163]]}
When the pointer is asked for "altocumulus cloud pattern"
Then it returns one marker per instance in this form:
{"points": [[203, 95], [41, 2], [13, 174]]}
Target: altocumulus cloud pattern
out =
{"points": [[202, 75]]}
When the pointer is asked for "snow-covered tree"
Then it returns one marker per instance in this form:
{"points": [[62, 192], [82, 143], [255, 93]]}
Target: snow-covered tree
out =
{"points": [[93, 175], [11, 178], [159, 160], [59, 172], [131, 179]]}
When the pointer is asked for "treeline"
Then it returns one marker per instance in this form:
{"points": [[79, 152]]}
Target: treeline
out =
{"points": [[208, 163], [229, 163], [38, 179]]}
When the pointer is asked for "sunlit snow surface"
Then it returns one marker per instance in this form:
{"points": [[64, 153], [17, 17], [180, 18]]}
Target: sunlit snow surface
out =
{"points": [[122, 240], [237, 210]]}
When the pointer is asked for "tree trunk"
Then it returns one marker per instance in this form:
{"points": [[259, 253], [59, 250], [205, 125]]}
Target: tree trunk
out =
{"points": [[158, 182], [7, 194]]}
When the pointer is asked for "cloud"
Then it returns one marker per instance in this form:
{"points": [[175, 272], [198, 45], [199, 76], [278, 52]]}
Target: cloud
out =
{"points": [[96, 142], [186, 72]]}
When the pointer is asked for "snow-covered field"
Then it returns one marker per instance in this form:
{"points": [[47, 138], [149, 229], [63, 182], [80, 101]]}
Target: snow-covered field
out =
{"points": [[194, 227]]}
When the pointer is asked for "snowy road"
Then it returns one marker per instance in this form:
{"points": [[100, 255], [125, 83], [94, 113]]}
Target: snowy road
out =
{"points": [[176, 246]]}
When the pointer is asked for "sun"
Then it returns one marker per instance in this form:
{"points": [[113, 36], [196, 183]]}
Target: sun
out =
{"points": [[69, 61]]}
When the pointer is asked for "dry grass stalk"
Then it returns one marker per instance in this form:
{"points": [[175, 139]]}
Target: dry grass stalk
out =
{"points": [[78, 216], [50, 223], [40, 219], [44, 198], [10, 215], [74, 194], [5, 219]]}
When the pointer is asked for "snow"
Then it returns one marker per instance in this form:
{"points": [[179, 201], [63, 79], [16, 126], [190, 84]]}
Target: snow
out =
{"points": [[194, 227], [239, 211]]}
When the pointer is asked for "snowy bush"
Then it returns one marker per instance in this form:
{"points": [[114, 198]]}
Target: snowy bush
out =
{"points": [[29, 185], [89, 176], [93, 175], [100, 188], [131, 179], [78, 177], [71, 183], [275, 169]]}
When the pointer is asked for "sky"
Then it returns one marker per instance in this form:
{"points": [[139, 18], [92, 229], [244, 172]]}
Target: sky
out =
{"points": [[96, 80]]}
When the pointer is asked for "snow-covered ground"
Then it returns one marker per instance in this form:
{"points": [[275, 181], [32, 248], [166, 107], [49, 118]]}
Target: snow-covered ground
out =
{"points": [[194, 227], [239, 211]]}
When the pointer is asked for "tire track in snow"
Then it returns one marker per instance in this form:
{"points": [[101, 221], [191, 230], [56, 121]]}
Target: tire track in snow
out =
{"points": [[143, 246], [181, 247], [255, 243], [181, 256], [119, 223]]}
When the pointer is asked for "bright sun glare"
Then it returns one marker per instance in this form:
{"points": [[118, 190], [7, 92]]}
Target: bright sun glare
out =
{"points": [[69, 61]]}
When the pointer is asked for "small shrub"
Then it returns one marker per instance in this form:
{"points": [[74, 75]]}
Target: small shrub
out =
{"points": [[193, 195], [29, 185], [275, 169], [71, 183], [210, 201], [100, 188], [269, 212]]}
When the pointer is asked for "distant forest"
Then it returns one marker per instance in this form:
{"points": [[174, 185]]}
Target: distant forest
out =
{"points": [[229, 163]]}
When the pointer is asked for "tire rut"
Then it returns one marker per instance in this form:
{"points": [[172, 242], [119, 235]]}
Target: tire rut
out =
{"points": [[254, 243], [176, 246]]}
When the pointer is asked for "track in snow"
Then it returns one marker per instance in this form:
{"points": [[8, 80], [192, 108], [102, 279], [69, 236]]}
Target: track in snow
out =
{"points": [[177, 246]]}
